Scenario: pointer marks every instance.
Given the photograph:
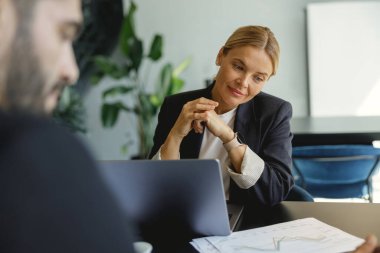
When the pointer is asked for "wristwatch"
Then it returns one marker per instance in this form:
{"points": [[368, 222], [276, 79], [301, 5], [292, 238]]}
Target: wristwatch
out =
{"points": [[235, 142]]}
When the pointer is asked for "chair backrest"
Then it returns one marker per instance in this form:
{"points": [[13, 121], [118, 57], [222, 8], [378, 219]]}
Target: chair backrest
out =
{"points": [[336, 171]]}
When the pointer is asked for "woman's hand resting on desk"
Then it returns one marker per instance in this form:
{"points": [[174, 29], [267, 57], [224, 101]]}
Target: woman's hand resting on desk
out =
{"points": [[369, 246]]}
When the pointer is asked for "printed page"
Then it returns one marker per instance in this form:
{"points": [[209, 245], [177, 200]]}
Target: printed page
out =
{"points": [[307, 235]]}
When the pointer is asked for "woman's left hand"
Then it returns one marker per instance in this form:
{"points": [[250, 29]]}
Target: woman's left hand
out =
{"points": [[218, 128]]}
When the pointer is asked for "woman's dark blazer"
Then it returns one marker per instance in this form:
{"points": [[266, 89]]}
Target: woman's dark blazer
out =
{"points": [[263, 122]]}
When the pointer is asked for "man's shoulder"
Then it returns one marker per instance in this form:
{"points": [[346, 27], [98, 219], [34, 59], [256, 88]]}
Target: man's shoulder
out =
{"points": [[25, 123], [28, 131]]}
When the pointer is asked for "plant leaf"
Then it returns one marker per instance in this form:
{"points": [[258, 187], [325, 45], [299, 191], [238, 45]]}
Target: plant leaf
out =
{"points": [[155, 100], [128, 30], [146, 108], [136, 53], [124, 149], [175, 86], [117, 90], [70, 111], [166, 74], [95, 78], [181, 67], [110, 113], [156, 48], [105, 66]]}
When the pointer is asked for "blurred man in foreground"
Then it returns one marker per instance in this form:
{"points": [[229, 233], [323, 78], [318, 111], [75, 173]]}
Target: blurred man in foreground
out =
{"points": [[52, 197]]}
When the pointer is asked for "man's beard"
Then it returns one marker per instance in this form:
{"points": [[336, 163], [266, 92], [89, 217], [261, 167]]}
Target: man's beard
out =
{"points": [[24, 84]]}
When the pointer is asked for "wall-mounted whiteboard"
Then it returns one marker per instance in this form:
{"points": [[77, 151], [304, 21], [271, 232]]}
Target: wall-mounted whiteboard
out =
{"points": [[344, 58]]}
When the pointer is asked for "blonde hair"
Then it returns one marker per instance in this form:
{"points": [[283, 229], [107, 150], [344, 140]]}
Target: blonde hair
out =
{"points": [[257, 36]]}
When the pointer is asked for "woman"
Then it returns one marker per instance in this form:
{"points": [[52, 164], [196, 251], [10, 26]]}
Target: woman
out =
{"points": [[233, 121]]}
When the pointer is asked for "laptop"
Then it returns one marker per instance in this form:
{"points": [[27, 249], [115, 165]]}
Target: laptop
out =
{"points": [[183, 196]]}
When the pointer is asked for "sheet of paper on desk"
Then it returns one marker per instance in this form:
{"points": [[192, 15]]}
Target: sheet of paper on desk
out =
{"points": [[301, 236]]}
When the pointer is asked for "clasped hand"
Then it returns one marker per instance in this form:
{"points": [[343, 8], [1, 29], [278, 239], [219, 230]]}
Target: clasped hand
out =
{"points": [[198, 114]]}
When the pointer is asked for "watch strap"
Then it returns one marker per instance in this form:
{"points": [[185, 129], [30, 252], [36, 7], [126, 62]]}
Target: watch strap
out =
{"points": [[235, 142]]}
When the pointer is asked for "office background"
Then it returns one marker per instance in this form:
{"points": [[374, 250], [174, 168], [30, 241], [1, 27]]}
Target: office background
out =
{"points": [[198, 29]]}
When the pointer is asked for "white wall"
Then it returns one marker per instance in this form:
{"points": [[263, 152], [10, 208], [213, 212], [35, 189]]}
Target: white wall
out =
{"points": [[198, 28], [349, 63]]}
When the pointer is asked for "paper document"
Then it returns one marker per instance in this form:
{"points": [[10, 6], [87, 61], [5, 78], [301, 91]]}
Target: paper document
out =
{"points": [[304, 235]]}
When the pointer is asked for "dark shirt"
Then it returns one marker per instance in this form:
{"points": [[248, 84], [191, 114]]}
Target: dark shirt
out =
{"points": [[52, 198]]}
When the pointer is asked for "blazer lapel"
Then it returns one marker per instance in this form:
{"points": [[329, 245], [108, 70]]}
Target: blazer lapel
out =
{"points": [[247, 125], [191, 146]]}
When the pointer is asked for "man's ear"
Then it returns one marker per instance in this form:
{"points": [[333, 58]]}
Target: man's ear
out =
{"points": [[219, 57]]}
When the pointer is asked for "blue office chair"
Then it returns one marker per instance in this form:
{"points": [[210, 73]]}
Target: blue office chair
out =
{"points": [[336, 171]]}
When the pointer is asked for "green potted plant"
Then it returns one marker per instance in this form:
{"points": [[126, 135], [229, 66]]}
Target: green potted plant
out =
{"points": [[145, 104], [70, 111]]}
